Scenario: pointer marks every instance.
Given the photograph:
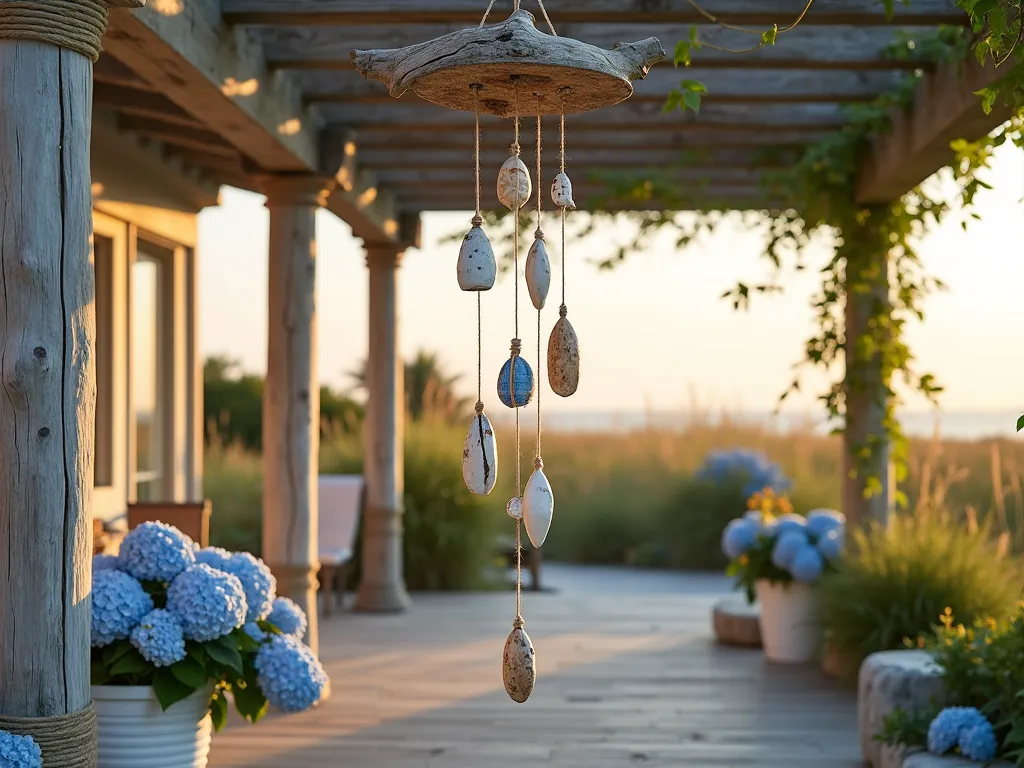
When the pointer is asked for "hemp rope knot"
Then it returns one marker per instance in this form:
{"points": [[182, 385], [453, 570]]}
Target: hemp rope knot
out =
{"points": [[538, 463], [563, 310], [76, 25], [479, 407], [67, 741], [517, 347]]}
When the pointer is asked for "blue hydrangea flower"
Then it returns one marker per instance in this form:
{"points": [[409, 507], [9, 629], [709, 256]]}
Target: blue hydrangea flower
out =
{"points": [[252, 629], [257, 581], [739, 536], [978, 743], [944, 732], [208, 603], [118, 603], [807, 565], [289, 674], [19, 751], [524, 383], [783, 524], [752, 468], [215, 557], [786, 547], [156, 552], [159, 638], [831, 544], [105, 563], [821, 521], [288, 617]]}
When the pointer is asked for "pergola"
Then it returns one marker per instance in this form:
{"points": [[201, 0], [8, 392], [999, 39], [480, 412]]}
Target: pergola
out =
{"points": [[261, 94]]}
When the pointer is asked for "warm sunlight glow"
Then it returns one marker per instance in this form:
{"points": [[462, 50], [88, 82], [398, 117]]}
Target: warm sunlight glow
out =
{"points": [[344, 178], [290, 127], [232, 87], [97, 189], [367, 197], [350, 149], [167, 7], [391, 227]]}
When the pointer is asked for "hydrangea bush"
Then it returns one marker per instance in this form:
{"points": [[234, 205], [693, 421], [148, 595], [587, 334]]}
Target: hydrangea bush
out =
{"points": [[181, 619], [752, 467], [19, 751], [770, 542]]}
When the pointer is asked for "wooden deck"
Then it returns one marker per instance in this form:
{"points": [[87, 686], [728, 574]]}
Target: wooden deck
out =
{"points": [[628, 676]]}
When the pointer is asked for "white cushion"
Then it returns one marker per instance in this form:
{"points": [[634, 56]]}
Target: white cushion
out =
{"points": [[340, 501]]}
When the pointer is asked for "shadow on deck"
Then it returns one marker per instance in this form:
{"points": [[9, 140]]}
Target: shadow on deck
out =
{"points": [[628, 676]]}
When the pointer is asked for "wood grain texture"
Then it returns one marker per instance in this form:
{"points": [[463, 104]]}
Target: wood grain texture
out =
{"points": [[628, 675], [291, 398], [521, 69], [47, 326]]}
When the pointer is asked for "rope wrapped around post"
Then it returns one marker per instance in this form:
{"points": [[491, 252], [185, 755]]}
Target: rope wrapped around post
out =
{"points": [[67, 741], [75, 25]]}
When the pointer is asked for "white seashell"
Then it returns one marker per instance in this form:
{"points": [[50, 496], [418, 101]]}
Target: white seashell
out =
{"points": [[480, 457], [514, 185], [538, 273], [538, 507], [476, 268], [561, 192], [519, 666], [515, 508], [563, 358]]}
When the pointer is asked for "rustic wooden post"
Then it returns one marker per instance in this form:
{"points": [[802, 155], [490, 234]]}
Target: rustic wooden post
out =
{"points": [[291, 396], [382, 586], [47, 411], [867, 448]]}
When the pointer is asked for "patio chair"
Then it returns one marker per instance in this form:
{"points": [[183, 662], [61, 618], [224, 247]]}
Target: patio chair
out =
{"points": [[190, 517], [506, 546], [341, 505]]}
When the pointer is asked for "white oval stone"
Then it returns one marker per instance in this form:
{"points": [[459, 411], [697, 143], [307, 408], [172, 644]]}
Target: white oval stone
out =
{"points": [[480, 457], [514, 185], [538, 507], [519, 666], [563, 359], [538, 273], [515, 508], [561, 192], [477, 268]]}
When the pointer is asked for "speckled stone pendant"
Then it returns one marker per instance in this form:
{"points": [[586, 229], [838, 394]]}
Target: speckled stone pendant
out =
{"points": [[538, 505], [516, 390], [480, 456], [563, 357], [561, 192], [514, 185], [514, 508], [519, 665], [477, 268], [538, 272]]}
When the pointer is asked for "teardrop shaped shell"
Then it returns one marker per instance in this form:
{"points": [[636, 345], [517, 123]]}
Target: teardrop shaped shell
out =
{"points": [[538, 507], [523, 383], [477, 268], [561, 192], [538, 273], [563, 359], [480, 457], [515, 508], [514, 185], [519, 666]]}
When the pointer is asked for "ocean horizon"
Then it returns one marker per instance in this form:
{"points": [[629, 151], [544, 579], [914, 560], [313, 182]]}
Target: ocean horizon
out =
{"points": [[955, 425]]}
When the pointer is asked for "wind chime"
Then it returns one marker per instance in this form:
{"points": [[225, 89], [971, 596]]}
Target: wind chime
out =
{"points": [[515, 71]]}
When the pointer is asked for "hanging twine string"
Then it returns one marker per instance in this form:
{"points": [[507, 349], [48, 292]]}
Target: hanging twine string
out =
{"points": [[540, 235], [515, 7], [66, 741], [477, 221], [547, 18], [75, 25], [561, 154], [516, 346]]}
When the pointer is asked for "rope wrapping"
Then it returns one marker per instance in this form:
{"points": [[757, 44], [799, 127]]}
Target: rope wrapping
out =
{"points": [[67, 741], [75, 25]]}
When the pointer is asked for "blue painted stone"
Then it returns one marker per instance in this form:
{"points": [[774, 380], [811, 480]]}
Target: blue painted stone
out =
{"points": [[524, 383]]}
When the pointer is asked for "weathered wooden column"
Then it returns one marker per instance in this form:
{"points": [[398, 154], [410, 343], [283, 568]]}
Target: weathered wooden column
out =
{"points": [[382, 586], [47, 410], [870, 484], [291, 396]]}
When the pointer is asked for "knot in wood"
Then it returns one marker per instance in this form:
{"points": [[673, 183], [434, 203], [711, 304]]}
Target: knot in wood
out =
{"points": [[40, 352]]}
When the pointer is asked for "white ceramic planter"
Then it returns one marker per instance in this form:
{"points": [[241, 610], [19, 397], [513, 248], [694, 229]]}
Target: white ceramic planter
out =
{"points": [[135, 733], [790, 622]]}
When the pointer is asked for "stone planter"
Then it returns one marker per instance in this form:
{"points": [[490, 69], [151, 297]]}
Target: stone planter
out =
{"points": [[135, 733], [790, 624]]}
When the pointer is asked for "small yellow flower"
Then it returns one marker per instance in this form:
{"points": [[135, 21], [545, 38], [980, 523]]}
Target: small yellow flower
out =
{"points": [[743, 559]]}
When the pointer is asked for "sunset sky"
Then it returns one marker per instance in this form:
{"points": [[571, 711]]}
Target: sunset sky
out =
{"points": [[654, 333]]}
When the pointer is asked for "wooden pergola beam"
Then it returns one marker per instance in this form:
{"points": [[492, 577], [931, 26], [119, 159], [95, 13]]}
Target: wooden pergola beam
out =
{"points": [[946, 107], [581, 162], [142, 103], [745, 12]]}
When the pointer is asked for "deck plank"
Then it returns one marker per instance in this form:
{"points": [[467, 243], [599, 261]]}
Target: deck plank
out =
{"points": [[628, 676]]}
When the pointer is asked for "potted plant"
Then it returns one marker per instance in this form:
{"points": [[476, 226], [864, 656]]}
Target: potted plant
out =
{"points": [[778, 557], [176, 630]]}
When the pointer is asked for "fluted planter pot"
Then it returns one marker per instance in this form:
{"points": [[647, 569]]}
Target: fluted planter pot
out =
{"points": [[790, 622], [135, 733]]}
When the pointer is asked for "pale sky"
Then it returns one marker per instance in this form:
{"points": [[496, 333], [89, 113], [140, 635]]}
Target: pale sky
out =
{"points": [[654, 333]]}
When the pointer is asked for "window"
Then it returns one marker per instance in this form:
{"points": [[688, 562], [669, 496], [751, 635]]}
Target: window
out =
{"points": [[104, 355], [150, 371]]}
